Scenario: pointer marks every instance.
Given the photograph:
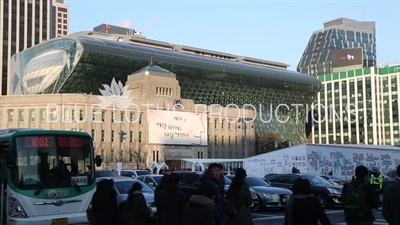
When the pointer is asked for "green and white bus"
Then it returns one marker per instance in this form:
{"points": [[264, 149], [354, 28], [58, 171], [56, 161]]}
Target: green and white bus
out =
{"points": [[47, 176]]}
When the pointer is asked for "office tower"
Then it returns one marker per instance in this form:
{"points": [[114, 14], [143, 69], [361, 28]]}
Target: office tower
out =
{"points": [[112, 29], [60, 16], [341, 33], [23, 24]]}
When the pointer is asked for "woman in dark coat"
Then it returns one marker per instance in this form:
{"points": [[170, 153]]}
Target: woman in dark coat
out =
{"points": [[242, 198], [164, 182], [104, 204], [136, 209], [302, 208], [201, 205]]}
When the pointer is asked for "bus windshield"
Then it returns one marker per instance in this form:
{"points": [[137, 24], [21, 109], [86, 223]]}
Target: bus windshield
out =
{"points": [[53, 162]]}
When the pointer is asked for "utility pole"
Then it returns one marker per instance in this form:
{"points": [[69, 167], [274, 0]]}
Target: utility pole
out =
{"points": [[121, 139]]}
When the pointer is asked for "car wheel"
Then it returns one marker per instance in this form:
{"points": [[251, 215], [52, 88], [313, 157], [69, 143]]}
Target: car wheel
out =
{"points": [[323, 199], [260, 206]]}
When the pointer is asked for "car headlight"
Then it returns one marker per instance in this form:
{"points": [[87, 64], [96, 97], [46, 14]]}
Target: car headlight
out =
{"points": [[334, 191], [269, 195], [253, 194], [15, 209]]}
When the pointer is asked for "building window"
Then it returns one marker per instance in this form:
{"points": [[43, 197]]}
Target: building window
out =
{"points": [[65, 15], [112, 117], [64, 32], [130, 156], [222, 124], [112, 156], [53, 115], [222, 140], [65, 21], [10, 115], [131, 117], [65, 27], [103, 134], [215, 124], [21, 116], [93, 116], [140, 136], [236, 141], [215, 140], [42, 115], [59, 20], [122, 116], [81, 116], [73, 115], [140, 118], [66, 115], [131, 136], [32, 115], [103, 116], [93, 134], [229, 140], [112, 136], [229, 125]]}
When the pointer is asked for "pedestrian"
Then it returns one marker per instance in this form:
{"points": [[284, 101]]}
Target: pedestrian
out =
{"points": [[104, 204], [171, 202], [391, 202], [359, 198], [214, 174], [163, 183], [376, 180], [201, 205], [241, 197], [302, 207], [137, 210]]}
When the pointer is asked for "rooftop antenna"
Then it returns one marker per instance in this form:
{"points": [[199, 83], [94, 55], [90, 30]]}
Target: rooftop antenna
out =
{"points": [[363, 14], [151, 60]]}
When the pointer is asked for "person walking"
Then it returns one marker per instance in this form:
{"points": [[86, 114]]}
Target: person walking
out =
{"points": [[241, 197], [391, 202], [163, 183], [214, 174], [302, 207], [376, 180], [201, 205], [104, 204], [137, 210], [171, 203], [359, 198]]}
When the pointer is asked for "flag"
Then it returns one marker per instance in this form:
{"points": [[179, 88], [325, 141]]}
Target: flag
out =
{"points": [[107, 27]]}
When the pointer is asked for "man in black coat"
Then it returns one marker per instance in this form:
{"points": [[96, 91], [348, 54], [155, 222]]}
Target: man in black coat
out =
{"points": [[391, 202], [214, 173], [171, 202], [371, 199]]}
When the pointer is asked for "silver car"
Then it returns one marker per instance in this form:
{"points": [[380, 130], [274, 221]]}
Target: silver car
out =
{"points": [[123, 185]]}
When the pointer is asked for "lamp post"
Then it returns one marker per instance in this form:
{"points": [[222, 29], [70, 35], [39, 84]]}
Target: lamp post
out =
{"points": [[244, 122]]}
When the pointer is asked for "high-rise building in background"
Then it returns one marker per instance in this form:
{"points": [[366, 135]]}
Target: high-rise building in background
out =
{"points": [[358, 106], [60, 18], [112, 29], [341, 33], [24, 24]]}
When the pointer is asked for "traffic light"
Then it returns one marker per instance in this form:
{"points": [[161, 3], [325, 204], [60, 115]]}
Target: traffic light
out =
{"points": [[122, 136]]}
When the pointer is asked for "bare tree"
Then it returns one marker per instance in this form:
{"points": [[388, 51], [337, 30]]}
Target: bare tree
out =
{"points": [[139, 156], [170, 153], [107, 154]]}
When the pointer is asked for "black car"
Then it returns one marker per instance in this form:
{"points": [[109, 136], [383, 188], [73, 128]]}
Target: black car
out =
{"points": [[191, 181], [328, 194]]}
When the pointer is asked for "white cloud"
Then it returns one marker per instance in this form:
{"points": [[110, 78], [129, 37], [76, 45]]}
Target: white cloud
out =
{"points": [[127, 23]]}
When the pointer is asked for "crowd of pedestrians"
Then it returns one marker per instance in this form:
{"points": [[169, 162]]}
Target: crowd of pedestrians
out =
{"points": [[210, 203]]}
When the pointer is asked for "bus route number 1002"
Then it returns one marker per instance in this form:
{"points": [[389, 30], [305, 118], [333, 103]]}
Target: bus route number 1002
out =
{"points": [[39, 142]]}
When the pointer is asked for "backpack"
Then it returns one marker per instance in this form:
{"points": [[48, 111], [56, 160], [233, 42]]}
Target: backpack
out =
{"points": [[354, 203], [229, 205]]}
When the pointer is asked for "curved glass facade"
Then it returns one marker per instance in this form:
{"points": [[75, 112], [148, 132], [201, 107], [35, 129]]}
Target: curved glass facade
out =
{"points": [[92, 62]]}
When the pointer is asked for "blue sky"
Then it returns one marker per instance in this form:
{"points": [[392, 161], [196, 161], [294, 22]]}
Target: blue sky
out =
{"points": [[272, 30]]}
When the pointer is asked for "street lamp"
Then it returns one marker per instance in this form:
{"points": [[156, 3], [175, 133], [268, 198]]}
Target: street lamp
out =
{"points": [[244, 122]]}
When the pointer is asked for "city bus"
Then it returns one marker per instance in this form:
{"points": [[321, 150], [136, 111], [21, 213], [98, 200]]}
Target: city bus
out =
{"points": [[47, 176]]}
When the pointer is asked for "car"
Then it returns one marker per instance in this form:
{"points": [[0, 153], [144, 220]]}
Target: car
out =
{"points": [[334, 180], [134, 173], [191, 180], [267, 196], [123, 185], [105, 173], [153, 180], [327, 193]]}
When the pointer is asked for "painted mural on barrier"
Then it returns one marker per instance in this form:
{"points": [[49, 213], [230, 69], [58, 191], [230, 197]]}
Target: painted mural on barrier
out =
{"points": [[343, 163], [279, 161]]}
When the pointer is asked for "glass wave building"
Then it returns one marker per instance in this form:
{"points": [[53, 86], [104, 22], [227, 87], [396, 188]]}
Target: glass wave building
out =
{"points": [[82, 62]]}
